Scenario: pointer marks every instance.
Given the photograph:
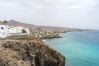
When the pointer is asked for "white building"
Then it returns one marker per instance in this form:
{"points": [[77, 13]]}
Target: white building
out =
{"points": [[6, 31], [3, 31]]}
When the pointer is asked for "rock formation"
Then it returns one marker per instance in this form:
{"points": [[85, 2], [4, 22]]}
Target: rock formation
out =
{"points": [[28, 52]]}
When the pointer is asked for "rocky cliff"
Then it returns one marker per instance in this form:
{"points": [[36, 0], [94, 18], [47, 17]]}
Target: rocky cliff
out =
{"points": [[28, 52]]}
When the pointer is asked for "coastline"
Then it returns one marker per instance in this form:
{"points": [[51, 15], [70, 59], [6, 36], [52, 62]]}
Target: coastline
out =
{"points": [[72, 47], [59, 36]]}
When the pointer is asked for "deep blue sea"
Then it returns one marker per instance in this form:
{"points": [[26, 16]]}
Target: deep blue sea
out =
{"points": [[79, 48]]}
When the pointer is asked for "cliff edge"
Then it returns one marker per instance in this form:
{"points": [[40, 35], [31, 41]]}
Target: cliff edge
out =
{"points": [[32, 52]]}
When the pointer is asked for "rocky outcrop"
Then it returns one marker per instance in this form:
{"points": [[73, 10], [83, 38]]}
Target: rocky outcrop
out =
{"points": [[51, 36], [23, 52]]}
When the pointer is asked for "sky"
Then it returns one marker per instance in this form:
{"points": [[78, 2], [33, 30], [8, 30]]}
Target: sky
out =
{"points": [[63, 13]]}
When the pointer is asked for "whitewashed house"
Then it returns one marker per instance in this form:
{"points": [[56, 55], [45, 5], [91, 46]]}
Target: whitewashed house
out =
{"points": [[6, 31], [3, 31]]}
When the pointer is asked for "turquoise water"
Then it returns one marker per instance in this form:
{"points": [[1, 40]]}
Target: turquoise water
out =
{"points": [[79, 48]]}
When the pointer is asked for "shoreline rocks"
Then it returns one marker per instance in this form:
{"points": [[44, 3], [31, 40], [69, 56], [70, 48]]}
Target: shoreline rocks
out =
{"points": [[32, 52], [51, 36]]}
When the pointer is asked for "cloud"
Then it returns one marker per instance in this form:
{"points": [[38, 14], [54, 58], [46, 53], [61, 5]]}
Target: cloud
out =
{"points": [[69, 13]]}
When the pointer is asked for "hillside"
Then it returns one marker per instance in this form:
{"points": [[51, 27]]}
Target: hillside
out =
{"points": [[28, 52], [44, 28]]}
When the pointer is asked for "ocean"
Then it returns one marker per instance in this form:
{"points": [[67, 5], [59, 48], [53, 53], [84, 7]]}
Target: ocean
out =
{"points": [[79, 48]]}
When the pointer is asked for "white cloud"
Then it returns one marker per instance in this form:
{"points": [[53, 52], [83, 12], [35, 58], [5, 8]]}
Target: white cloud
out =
{"points": [[52, 12]]}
